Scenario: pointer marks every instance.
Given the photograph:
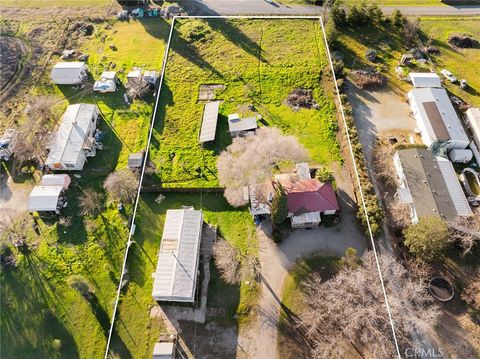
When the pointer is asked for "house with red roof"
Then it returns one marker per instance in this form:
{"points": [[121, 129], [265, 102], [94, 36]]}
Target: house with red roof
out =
{"points": [[307, 198]]}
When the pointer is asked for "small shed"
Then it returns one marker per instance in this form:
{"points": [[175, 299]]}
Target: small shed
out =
{"points": [[150, 77], [44, 198], [135, 160], [209, 122], [107, 82], [134, 76], [240, 126], [164, 350], [60, 179], [69, 73], [424, 79]]}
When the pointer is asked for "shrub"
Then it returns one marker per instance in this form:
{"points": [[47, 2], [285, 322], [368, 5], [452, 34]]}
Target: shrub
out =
{"points": [[368, 78], [279, 205], [324, 174], [428, 239], [397, 18]]}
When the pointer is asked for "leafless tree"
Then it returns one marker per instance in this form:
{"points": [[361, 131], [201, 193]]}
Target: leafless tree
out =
{"points": [[251, 159], [29, 144], [137, 89], [234, 266], [121, 185], [471, 293], [410, 29], [235, 196], [90, 203], [383, 163], [349, 310], [466, 231], [16, 232], [399, 214]]}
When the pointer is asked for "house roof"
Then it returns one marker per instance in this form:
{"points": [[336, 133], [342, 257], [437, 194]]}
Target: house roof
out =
{"points": [[425, 79], [209, 123], [44, 198], [438, 115], [236, 124], [433, 185], [72, 133], [309, 195], [69, 65], [176, 275]]}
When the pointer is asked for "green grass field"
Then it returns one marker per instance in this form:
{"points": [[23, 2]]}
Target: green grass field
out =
{"points": [[37, 304], [463, 63], [137, 331], [251, 59], [55, 3]]}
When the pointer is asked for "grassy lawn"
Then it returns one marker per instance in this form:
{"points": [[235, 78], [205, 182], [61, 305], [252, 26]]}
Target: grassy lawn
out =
{"points": [[289, 344], [390, 45], [463, 63], [137, 331], [250, 58], [38, 306]]}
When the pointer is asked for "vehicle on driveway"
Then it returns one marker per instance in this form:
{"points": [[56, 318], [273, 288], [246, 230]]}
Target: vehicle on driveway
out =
{"points": [[448, 75]]}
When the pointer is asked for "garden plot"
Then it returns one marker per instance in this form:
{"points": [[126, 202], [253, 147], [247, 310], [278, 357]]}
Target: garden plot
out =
{"points": [[259, 62]]}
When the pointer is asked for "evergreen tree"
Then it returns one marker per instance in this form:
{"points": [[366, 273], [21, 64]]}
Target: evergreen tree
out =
{"points": [[279, 205]]}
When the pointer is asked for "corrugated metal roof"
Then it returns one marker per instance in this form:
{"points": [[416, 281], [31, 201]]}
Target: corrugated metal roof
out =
{"points": [[209, 122], [425, 79], [72, 133], [69, 65], [176, 274], [454, 188]]}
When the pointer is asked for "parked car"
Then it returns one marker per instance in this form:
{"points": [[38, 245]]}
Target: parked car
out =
{"points": [[448, 75], [463, 84]]}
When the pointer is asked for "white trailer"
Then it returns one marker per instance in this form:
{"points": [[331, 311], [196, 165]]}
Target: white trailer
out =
{"points": [[69, 73]]}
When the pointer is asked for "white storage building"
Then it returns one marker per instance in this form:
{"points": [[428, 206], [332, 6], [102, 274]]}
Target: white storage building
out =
{"points": [[175, 279], [69, 73], [74, 141], [44, 198], [425, 79], [209, 122], [436, 118]]}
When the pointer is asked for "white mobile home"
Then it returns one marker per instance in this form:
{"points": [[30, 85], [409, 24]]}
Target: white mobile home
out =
{"points": [[424, 79], [473, 119], [69, 73], [436, 118], [175, 279], [74, 141]]}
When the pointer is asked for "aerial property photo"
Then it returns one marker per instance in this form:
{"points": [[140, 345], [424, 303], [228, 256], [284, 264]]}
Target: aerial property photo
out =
{"points": [[239, 179]]}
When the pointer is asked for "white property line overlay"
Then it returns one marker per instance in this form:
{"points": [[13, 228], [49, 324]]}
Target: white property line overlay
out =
{"points": [[150, 133], [132, 225], [361, 195]]}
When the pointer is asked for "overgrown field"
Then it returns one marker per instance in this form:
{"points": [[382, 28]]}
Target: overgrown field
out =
{"points": [[463, 63], [137, 331], [259, 62], [38, 305]]}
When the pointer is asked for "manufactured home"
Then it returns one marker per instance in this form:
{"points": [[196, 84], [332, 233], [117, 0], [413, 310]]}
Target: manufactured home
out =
{"points": [[69, 73], [75, 138]]}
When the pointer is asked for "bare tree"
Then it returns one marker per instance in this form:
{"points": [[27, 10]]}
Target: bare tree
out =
{"points": [[137, 89], [349, 310], [466, 231], [234, 266], [29, 144], [251, 159], [90, 203], [399, 214], [383, 163], [121, 185], [235, 196], [16, 232], [410, 29]]}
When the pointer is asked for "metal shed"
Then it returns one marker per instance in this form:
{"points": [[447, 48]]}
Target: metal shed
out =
{"points": [[175, 278], [238, 126], [44, 198], [164, 351], [425, 79], [135, 160], [209, 122], [63, 180], [69, 73]]}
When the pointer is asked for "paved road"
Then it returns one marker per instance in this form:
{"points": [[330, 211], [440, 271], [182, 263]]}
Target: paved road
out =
{"points": [[261, 7]]}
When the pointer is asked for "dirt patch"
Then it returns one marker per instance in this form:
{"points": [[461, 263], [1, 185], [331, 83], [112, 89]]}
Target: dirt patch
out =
{"points": [[208, 92], [301, 98], [12, 51], [462, 41]]}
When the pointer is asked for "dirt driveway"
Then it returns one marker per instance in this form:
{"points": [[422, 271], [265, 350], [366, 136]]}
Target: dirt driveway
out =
{"points": [[13, 199], [259, 340], [376, 112]]}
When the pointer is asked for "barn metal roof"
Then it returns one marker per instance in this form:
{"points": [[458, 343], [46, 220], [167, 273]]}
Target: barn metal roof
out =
{"points": [[209, 123], [176, 275]]}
